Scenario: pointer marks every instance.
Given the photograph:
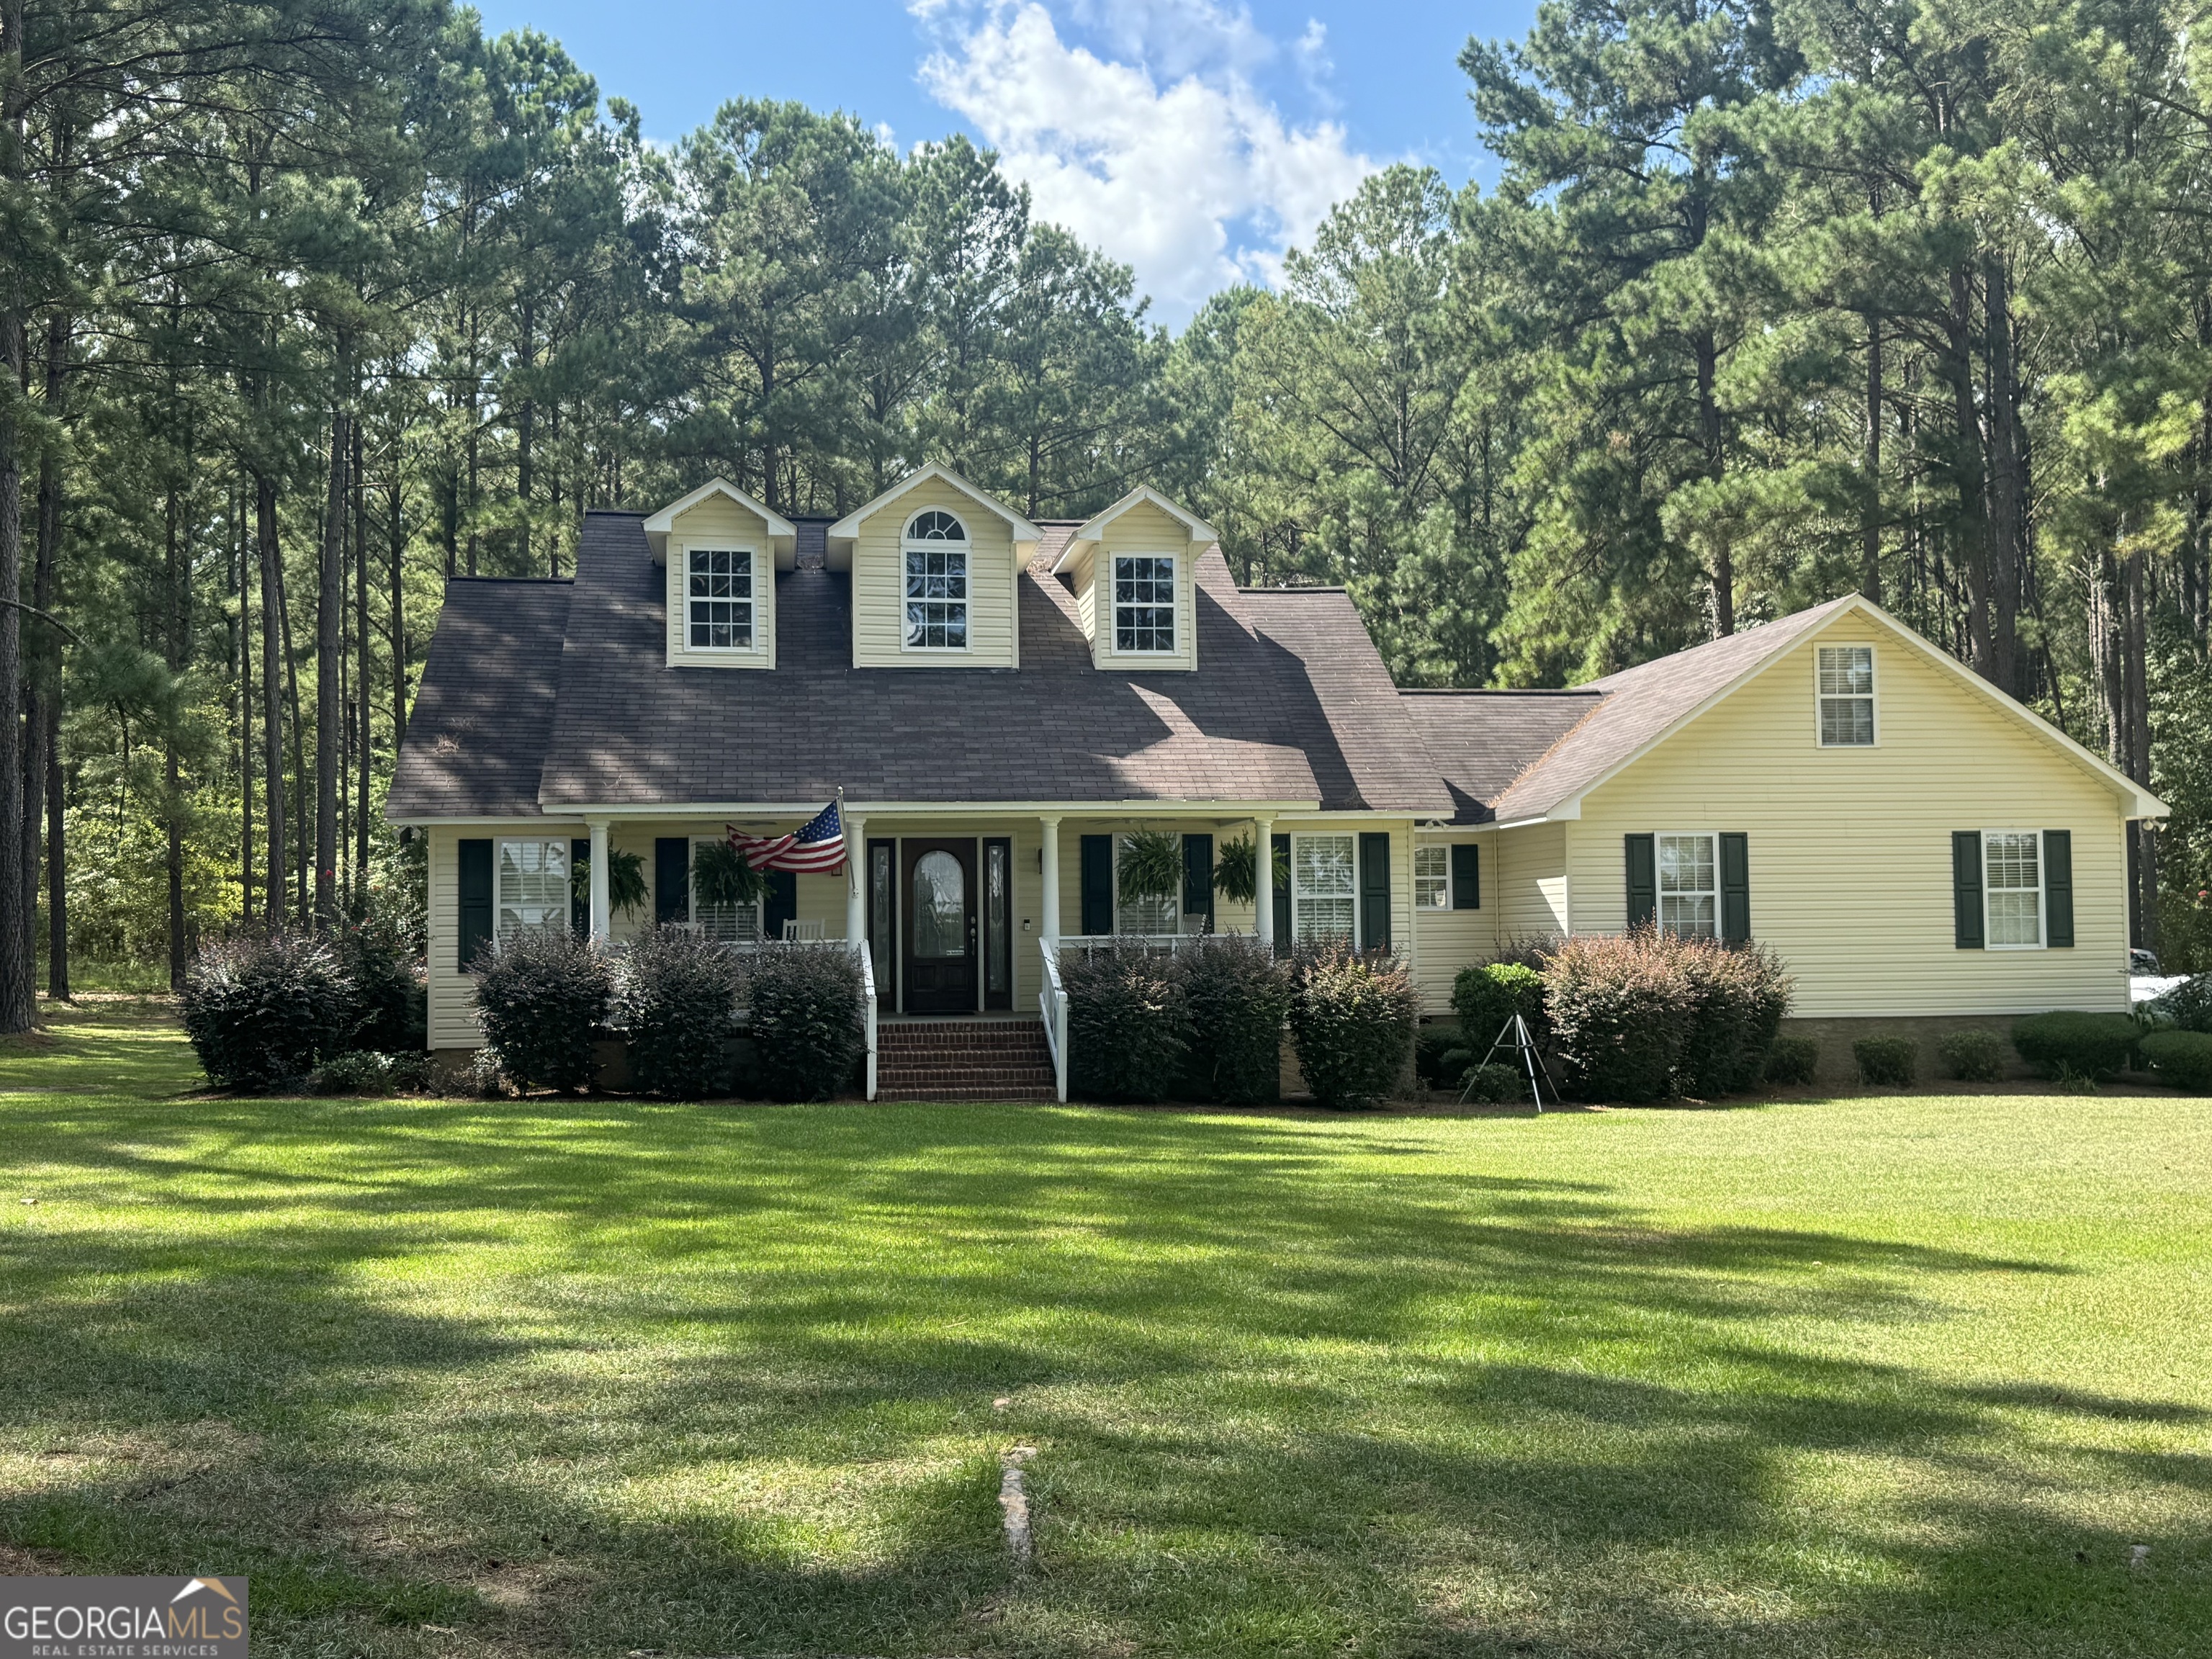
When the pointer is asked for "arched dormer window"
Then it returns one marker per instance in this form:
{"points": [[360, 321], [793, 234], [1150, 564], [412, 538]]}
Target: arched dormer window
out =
{"points": [[935, 548]]}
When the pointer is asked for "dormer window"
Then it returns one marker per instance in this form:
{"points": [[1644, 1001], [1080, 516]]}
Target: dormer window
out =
{"points": [[1144, 603], [936, 552], [718, 599]]}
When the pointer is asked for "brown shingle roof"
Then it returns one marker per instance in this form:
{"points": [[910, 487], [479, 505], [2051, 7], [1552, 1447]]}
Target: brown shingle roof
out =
{"points": [[1291, 702], [476, 739], [1482, 740]]}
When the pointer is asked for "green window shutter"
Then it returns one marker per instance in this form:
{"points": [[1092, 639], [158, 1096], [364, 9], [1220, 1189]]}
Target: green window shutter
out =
{"points": [[671, 880], [476, 899], [1466, 876], [1967, 889], [1375, 890], [780, 903], [1198, 878], [1280, 852], [1097, 884], [1643, 856], [2058, 887], [1735, 888], [579, 907]]}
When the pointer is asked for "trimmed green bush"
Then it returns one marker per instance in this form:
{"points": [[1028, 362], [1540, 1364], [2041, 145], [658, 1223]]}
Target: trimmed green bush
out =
{"points": [[1741, 995], [1440, 1056], [1353, 1019], [2187, 1007], [2067, 1044], [810, 1017], [1619, 1010], [1129, 1023], [1793, 1060], [1238, 997], [1887, 1062], [1495, 1085], [543, 998], [264, 1012], [1487, 995], [2181, 1060], [370, 1071], [676, 1000], [1972, 1056]]}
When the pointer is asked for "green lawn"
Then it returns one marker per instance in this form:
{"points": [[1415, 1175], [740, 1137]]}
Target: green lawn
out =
{"points": [[1853, 1377]]}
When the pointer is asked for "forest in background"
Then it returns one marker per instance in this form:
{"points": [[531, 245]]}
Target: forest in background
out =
{"points": [[309, 304]]}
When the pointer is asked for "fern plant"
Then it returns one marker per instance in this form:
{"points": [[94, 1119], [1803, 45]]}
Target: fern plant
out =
{"points": [[626, 888], [1236, 872], [1151, 863], [720, 875]]}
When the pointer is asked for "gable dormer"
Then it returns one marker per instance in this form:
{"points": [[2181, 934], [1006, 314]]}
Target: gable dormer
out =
{"points": [[719, 551], [935, 565], [1134, 570]]}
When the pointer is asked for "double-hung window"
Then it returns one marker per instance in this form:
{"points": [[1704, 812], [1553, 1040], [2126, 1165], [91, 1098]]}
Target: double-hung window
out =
{"points": [[1846, 696], [718, 599], [1324, 889], [1432, 877], [935, 548], [1689, 885], [1144, 603], [532, 892], [2012, 883]]}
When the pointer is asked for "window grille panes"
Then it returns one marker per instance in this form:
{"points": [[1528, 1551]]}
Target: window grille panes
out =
{"points": [[1324, 888], [1689, 898], [1133, 915], [1846, 674], [1432, 877], [935, 525], [533, 887], [883, 910], [2012, 871], [1144, 603], [719, 599], [936, 599]]}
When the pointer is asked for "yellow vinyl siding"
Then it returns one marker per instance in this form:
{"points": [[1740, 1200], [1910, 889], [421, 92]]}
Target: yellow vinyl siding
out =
{"points": [[1850, 848], [879, 584], [1446, 941], [452, 996], [1143, 529], [720, 522]]}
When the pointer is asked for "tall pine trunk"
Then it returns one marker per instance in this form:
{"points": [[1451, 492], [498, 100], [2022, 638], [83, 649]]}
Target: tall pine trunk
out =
{"points": [[361, 675], [396, 533], [1967, 472], [173, 794], [1722, 573], [2008, 483], [242, 672], [330, 712], [1871, 519], [42, 679], [18, 1008], [272, 697]]}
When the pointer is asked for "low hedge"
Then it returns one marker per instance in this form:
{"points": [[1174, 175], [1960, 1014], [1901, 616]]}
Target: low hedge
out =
{"points": [[1236, 998], [1887, 1062], [1128, 1020], [1972, 1056], [1495, 1085], [1793, 1060], [261, 1013], [809, 1017], [1353, 1017], [2075, 1045], [543, 998], [675, 1000], [2180, 1060]]}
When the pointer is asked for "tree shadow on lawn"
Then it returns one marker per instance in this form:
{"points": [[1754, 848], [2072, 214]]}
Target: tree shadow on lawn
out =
{"points": [[521, 1372]]}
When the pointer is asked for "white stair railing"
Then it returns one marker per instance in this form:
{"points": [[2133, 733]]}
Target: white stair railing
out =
{"points": [[1052, 1003], [868, 1001]]}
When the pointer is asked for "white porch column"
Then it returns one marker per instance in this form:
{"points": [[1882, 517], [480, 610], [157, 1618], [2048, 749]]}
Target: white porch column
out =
{"points": [[1049, 925], [601, 922], [1263, 893], [856, 867]]}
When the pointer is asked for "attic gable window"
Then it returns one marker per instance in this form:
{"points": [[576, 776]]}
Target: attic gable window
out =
{"points": [[718, 599], [1846, 695], [1144, 603], [936, 549]]}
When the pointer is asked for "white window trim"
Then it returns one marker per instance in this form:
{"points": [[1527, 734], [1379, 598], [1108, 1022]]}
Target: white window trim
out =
{"points": [[2042, 895], [1113, 607], [691, 892], [679, 566], [1873, 699], [1445, 847], [1659, 891], [1353, 835], [499, 845], [966, 549]]}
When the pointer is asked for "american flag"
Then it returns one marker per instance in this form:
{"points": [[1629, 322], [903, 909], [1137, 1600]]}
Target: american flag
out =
{"points": [[818, 846]]}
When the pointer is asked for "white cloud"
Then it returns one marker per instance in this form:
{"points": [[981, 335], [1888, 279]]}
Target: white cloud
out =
{"points": [[1192, 176]]}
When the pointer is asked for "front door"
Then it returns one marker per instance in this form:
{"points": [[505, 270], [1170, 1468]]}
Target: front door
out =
{"points": [[941, 926]]}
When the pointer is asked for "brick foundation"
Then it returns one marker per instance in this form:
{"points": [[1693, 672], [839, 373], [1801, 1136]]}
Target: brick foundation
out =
{"points": [[1840, 1070]]}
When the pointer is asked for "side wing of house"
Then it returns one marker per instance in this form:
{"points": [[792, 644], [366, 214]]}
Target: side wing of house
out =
{"points": [[1962, 861]]}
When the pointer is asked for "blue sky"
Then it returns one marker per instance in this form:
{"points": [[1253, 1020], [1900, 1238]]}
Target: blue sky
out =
{"points": [[1193, 139]]}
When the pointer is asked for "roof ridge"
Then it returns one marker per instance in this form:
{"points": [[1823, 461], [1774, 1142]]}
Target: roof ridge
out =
{"points": [[1500, 691]]}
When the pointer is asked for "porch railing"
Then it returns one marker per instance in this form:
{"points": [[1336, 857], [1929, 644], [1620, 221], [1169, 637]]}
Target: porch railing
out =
{"points": [[1169, 942], [1052, 1003]]}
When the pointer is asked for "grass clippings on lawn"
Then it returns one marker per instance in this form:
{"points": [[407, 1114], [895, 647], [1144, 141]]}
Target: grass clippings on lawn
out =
{"points": [[1902, 1376]]}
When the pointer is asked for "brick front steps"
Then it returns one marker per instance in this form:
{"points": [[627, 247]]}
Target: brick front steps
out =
{"points": [[963, 1059]]}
